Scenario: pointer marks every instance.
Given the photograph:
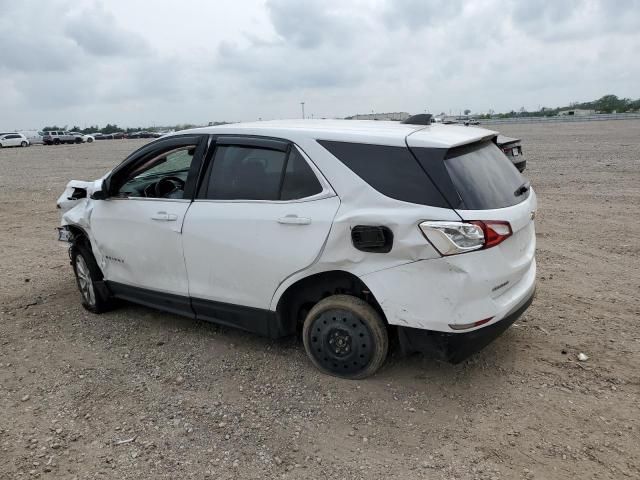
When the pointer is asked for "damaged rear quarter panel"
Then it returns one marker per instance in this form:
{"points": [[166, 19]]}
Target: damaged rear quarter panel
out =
{"points": [[361, 204]]}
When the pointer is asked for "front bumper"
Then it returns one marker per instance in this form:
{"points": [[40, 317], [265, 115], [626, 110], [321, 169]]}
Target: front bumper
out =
{"points": [[456, 347]]}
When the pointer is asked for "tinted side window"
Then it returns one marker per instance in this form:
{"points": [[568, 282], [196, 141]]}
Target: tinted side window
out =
{"points": [[299, 180], [245, 173], [392, 171]]}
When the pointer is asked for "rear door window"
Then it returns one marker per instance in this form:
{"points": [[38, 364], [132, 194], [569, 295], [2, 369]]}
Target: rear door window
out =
{"points": [[484, 177], [245, 172], [299, 180]]}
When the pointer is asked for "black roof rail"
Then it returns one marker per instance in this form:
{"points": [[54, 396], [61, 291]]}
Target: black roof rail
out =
{"points": [[420, 119]]}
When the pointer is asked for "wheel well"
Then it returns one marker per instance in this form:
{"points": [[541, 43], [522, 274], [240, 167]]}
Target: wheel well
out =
{"points": [[79, 235], [299, 298]]}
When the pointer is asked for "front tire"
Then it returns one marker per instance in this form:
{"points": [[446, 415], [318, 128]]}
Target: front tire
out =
{"points": [[87, 273], [346, 337], [89, 140]]}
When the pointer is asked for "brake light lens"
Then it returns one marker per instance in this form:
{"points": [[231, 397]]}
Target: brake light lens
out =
{"points": [[453, 238], [495, 232]]}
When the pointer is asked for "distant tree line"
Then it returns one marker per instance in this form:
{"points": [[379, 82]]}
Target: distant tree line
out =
{"points": [[606, 104]]}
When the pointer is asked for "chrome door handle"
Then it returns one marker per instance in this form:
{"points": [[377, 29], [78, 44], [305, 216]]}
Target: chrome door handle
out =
{"points": [[164, 217], [294, 220]]}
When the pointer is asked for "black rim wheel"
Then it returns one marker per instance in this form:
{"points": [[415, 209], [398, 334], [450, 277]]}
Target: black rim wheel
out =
{"points": [[340, 341]]}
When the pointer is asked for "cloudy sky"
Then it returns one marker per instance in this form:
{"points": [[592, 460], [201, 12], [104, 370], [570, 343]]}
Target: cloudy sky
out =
{"points": [[137, 62]]}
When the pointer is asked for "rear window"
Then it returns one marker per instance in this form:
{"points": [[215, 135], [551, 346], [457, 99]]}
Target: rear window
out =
{"points": [[392, 171], [484, 177]]}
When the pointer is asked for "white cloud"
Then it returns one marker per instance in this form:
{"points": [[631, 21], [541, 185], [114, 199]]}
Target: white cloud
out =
{"points": [[96, 31]]}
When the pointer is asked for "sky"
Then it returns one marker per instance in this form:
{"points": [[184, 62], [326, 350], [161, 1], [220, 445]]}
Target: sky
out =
{"points": [[144, 63]]}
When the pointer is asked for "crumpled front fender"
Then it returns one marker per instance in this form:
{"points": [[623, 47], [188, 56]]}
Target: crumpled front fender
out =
{"points": [[75, 203]]}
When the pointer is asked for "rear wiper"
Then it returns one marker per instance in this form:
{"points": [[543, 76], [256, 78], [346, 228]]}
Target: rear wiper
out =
{"points": [[522, 189]]}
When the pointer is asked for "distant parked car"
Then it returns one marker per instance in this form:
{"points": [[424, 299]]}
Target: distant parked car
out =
{"points": [[104, 136], [85, 138], [513, 150], [133, 135], [56, 137], [13, 140]]}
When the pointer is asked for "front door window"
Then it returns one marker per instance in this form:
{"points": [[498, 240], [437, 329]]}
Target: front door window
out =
{"points": [[164, 175]]}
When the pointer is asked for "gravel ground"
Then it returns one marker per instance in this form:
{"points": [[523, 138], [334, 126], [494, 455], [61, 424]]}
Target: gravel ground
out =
{"points": [[141, 394]]}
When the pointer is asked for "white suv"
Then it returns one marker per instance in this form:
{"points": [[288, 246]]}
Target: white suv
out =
{"points": [[349, 233]]}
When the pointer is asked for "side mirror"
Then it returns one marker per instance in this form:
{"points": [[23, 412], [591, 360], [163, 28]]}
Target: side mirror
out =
{"points": [[103, 193], [99, 195]]}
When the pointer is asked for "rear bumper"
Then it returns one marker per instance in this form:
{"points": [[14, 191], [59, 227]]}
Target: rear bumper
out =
{"points": [[456, 347]]}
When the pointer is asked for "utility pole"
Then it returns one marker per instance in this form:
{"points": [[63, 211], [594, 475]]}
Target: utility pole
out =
{"points": [[302, 103]]}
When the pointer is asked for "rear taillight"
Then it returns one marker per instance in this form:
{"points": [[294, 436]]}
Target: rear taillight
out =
{"points": [[452, 238], [495, 231]]}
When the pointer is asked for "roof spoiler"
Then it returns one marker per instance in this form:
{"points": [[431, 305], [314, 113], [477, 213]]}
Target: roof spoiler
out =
{"points": [[420, 119]]}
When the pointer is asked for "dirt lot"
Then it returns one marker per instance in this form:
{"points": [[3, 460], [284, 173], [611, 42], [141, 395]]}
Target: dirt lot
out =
{"points": [[201, 401]]}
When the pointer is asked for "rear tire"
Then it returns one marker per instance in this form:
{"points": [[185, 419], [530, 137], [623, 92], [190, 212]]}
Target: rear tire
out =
{"points": [[78, 140], [346, 337], [24, 144], [89, 140], [87, 273], [56, 141]]}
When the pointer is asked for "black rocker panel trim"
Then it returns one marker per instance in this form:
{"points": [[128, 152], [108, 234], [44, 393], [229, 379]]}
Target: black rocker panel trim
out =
{"points": [[256, 320], [162, 301]]}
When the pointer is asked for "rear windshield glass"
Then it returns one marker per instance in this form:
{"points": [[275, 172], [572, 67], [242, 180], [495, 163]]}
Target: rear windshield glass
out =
{"points": [[484, 177]]}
